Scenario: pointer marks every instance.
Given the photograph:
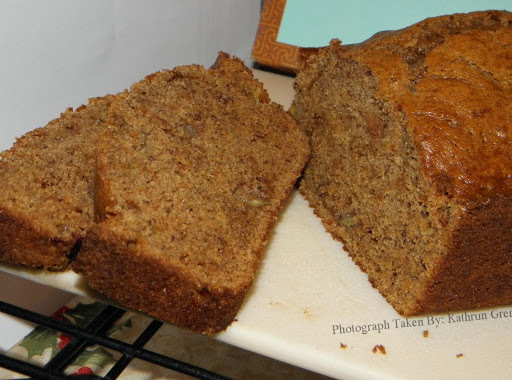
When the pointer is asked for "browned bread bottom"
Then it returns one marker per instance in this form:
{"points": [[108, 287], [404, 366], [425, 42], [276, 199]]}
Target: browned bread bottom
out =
{"points": [[411, 167], [46, 191], [192, 172]]}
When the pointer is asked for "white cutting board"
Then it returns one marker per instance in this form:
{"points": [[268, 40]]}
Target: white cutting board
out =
{"points": [[312, 307]]}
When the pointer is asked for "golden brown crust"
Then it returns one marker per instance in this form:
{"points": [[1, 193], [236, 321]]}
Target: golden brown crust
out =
{"points": [[191, 174], [463, 142], [411, 165]]}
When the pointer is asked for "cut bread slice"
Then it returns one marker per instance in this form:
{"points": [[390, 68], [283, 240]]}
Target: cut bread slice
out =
{"points": [[46, 192], [191, 174]]}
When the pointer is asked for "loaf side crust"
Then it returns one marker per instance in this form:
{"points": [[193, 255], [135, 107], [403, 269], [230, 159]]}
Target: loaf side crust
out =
{"points": [[21, 242], [411, 165], [136, 279], [477, 270]]}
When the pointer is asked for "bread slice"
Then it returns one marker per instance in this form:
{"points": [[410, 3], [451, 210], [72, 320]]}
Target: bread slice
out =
{"points": [[46, 191], [411, 164], [192, 172]]}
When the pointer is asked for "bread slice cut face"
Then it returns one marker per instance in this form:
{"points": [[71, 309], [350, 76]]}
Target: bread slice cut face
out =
{"points": [[191, 174], [46, 188]]}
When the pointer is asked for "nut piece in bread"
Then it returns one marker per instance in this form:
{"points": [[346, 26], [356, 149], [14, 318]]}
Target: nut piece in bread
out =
{"points": [[411, 163], [191, 174]]}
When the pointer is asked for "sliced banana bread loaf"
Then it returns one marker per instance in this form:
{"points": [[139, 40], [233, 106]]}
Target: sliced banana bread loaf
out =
{"points": [[46, 191], [191, 174], [411, 162]]}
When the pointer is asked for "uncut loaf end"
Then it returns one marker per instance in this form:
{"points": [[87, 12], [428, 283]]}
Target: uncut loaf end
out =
{"points": [[191, 174], [411, 164]]}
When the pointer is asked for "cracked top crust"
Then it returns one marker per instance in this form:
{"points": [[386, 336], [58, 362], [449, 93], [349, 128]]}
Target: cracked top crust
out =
{"points": [[451, 77]]}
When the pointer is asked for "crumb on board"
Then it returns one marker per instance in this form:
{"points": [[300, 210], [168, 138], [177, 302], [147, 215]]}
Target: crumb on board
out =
{"points": [[425, 333], [308, 314], [276, 303], [343, 346], [379, 348], [459, 356]]}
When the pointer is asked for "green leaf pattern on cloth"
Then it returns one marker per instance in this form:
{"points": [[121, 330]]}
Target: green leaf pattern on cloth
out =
{"points": [[39, 340], [120, 325], [82, 314], [203, 351], [97, 356], [42, 344]]}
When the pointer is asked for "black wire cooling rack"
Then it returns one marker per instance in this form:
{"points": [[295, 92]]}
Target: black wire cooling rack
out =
{"points": [[94, 334]]}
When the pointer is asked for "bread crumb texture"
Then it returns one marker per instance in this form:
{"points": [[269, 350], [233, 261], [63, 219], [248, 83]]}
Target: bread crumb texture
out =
{"points": [[411, 168], [191, 173], [46, 192]]}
